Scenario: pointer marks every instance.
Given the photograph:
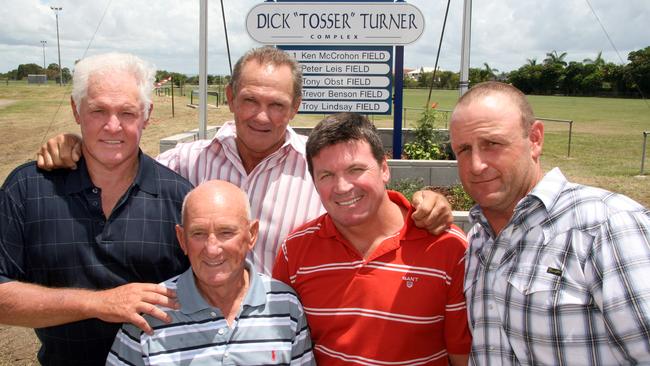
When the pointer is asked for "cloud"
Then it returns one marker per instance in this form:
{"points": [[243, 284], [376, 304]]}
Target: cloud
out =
{"points": [[504, 33]]}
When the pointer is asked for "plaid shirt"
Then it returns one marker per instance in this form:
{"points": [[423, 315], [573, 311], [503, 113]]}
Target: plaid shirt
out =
{"points": [[564, 283], [53, 232]]}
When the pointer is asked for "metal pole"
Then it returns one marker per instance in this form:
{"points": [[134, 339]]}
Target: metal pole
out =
{"points": [[645, 138], [568, 153], [203, 68], [171, 79], [225, 32], [43, 43], [58, 44], [464, 55], [399, 102]]}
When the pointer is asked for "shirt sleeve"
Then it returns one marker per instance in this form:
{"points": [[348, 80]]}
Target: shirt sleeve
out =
{"points": [[127, 349], [171, 158], [12, 243], [301, 347], [281, 266], [457, 336], [618, 275]]}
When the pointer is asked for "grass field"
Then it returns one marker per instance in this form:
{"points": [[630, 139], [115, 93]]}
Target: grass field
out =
{"points": [[605, 151]]}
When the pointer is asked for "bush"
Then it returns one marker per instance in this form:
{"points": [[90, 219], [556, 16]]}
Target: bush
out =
{"points": [[407, 186], [428, 145], [456, 195]]}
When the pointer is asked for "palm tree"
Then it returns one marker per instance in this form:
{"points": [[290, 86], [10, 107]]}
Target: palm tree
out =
{"points": [[531, 62], [488, 73], [598, 61], [554, 58]]}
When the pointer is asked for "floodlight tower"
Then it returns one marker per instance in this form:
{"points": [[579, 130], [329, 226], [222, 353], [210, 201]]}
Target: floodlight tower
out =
{"points": [[58, 45], [43, 43]]}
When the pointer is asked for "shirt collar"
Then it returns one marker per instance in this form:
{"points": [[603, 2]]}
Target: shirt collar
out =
{"points": [[292, 140], [547, 191], [147, 178], [192, 301]]}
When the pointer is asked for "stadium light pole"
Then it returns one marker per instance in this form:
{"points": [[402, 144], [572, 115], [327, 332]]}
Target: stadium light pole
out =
{"points": [[58, 45], [43, 43]]}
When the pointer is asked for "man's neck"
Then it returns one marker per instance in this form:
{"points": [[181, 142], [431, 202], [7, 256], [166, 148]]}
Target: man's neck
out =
{"points": [[366, 237], [228, 298], [113, 181], [250, 159]]}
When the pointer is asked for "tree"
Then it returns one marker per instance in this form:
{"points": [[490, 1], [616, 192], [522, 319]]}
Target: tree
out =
{"points": [[27, 69], [554, 58], [598, 61], [637, 72], [489, 73]]}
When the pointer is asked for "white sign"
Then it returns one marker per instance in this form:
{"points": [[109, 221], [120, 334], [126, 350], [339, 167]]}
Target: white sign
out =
{"points": [[345, 81], [345, 94], [381, 23], [339, 55], [344, 68], [321, 106]]}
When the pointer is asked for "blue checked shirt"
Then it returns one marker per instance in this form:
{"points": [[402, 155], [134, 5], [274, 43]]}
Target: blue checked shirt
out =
{"points": [[53, 232], [567, 281]]}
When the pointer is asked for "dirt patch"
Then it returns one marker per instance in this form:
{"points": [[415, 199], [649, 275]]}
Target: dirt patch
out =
{"points": [[6, 102], [19, 346]]}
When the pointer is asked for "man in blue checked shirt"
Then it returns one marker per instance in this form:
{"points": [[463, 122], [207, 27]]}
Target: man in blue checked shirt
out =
{"points": [[557, 272], [82, 251]]}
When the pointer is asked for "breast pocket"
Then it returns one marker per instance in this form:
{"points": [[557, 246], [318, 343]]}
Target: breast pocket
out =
{"points": [[550, 285]]}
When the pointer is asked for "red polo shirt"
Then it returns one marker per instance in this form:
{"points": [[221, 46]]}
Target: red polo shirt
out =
{"points": [[404, 305]]}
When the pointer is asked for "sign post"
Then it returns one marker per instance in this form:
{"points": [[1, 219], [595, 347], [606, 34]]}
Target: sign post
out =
{"points": [[345, 49]]}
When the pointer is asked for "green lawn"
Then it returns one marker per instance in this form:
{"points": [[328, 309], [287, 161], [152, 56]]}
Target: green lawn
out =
{"points": [[606, 142]]}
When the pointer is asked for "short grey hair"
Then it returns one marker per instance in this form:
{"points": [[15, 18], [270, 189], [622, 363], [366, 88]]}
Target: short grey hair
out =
{"points": [[108, 63]]}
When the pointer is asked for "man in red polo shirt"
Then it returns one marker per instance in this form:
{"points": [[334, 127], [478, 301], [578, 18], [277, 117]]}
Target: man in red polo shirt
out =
{"points": [[376, 289]]}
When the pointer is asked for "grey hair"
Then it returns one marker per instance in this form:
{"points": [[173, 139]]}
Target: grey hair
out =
{"points": [[108, 63], [273, 56]]}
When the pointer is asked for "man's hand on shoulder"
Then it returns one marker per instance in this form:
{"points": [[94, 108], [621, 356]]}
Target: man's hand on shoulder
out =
{"points": [[432, 211], [126, 303], [61, 151]]}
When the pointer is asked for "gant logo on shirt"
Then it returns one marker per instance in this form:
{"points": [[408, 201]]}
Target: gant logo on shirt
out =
{"points": [[410, 280]]}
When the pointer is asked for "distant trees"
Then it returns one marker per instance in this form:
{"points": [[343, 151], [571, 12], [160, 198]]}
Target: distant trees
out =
{"points": [[52, 72], [554, 75], [589, 77]]}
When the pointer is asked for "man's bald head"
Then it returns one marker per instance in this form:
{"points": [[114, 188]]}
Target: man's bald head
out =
{"points": [[489, 88], [221, 195]]}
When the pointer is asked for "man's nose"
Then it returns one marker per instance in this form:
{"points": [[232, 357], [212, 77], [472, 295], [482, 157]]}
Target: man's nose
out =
{"points": [[477, 163], [113, 124]]}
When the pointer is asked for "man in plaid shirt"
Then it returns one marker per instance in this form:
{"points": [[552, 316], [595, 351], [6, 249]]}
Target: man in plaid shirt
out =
{"points": [[557, 272]]}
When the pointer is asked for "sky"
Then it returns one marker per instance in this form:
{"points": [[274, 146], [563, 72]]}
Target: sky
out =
{"points": [[505, 33]]}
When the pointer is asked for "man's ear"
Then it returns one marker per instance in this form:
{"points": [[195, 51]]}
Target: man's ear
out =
{"points": [[77, 118], [180, 235], [385, 171], [536, 138], [254, 229], [230, 96], [295, 106], [146, 122]]}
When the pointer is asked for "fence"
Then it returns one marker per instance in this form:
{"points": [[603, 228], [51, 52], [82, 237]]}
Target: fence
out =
{"points": [[570, 122], [213, 93], [645, 138]]}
